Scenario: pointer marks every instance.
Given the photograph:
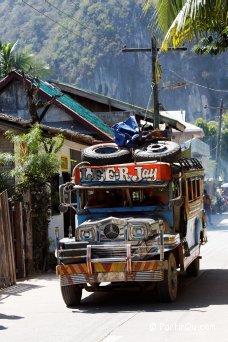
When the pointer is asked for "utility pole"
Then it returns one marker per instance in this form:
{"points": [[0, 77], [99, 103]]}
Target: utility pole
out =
{"points": [[154, 82], [218, 147], [154, 49]]}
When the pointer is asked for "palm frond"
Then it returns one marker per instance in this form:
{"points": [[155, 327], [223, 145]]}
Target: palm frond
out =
{"points": [[196, 18]]}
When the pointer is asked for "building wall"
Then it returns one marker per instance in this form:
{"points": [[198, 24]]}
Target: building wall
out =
{"points": [[13, 100], [5, 144], [111, 118]]}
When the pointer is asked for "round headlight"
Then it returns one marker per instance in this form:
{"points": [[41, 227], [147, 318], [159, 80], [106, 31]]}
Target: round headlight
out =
{"points": [[86, 234], [138, 231]]}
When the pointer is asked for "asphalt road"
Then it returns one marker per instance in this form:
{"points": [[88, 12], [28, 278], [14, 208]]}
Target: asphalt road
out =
{"points": [[33, 310]]}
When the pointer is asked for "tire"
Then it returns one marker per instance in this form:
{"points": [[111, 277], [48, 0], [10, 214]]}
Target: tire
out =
{"points": [[71, 294], [166, 151], [167, 289], [106, 154], [194, 268]]}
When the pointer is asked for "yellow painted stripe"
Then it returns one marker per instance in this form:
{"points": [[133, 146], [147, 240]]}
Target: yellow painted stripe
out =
{"points": [[98, 267]]}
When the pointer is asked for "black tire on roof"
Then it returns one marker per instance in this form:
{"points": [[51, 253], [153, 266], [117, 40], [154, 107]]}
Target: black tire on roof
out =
{"points": [[166, 151], [106, 154]]}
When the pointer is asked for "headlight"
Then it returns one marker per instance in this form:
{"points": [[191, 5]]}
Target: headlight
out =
{"points": [[138, 231], [86, 234]]}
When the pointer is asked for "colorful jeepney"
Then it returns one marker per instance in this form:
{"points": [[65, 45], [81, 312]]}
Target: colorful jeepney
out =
{"points": [[129, 237]]}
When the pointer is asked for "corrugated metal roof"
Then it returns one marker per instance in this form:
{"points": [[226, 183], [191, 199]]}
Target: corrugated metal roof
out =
{"points": [[164, 116], [75, 106]]}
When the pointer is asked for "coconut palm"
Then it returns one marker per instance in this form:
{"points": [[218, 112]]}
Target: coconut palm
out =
{"points": [[23, 61], [185, 20]]}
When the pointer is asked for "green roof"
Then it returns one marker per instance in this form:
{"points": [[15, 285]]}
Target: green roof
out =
{"points": [[72, 104]]}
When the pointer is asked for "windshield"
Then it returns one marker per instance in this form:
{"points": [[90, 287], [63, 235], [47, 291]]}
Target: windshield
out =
{"points": [[126, 197]]}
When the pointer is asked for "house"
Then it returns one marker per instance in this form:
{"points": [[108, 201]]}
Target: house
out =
{"points": [[64, 112], [111, 110], [80, 126], [74, 142]]}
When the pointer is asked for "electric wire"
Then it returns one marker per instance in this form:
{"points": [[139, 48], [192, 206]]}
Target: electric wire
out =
{"points": [[54, 21], [198, 85], [64, 13], [67, 15]]}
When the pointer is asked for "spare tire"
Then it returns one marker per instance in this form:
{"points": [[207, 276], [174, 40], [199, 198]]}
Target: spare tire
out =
{"points": [[166, 151], [106, 154]]}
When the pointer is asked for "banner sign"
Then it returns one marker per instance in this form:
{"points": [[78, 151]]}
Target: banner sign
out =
{"points": [[123, 173]]}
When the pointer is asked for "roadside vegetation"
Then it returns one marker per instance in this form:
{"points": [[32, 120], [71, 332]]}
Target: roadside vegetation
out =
{"points": [[33, 165]]}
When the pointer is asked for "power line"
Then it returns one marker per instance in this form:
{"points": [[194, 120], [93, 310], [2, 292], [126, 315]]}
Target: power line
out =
{"points": [[54, 21], [198, 85], [59, 10], [74, 19], [66, 14]]}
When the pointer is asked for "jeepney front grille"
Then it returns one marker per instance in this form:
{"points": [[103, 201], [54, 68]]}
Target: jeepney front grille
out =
{"points": [[108, 252]]}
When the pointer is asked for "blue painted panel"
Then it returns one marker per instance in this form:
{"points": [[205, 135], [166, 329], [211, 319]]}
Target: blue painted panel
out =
{"points": [[164, 212]]}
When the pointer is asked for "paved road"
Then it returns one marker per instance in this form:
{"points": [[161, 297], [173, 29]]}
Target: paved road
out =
{"points": [[33, 310]]}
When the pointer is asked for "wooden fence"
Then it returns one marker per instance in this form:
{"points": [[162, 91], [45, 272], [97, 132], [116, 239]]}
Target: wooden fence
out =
{"points": [[7, 258]]}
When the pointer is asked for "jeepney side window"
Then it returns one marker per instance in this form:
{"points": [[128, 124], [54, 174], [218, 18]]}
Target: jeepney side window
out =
{"points": [[194, 189], [190, 194], [175, 188], [198, 188]]}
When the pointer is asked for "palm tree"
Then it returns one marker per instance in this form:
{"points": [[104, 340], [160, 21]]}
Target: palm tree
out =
{"points": [[23, 61], [185, 20]]}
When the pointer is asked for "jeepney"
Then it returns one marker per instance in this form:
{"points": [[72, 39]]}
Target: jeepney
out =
{"points": [[132, 240]]}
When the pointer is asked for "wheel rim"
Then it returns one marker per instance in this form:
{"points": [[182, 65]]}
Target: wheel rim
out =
{"points": [[156, 148]]}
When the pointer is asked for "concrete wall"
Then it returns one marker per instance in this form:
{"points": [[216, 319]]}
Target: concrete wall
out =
{"points": [[111, 118]]}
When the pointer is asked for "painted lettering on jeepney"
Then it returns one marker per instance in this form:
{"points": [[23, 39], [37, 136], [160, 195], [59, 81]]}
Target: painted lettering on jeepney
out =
{"points": [[118, 174]]}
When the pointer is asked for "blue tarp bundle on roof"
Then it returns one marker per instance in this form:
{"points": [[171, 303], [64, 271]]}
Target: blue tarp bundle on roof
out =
{"points": [[126, 132]]}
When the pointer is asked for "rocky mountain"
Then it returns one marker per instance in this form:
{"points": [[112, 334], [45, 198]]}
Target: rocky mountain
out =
{"points": [[82, 40]]}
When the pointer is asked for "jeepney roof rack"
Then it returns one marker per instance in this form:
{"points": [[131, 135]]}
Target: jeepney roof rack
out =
{"points": [[188, 163]]}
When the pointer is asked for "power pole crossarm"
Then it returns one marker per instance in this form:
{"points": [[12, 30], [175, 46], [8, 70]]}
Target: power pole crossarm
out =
{"points": [[154, 49]]}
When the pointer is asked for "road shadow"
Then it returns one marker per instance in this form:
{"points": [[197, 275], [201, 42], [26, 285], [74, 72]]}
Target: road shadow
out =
{"points": [[16, 290], [194, 294], [3, 316]]}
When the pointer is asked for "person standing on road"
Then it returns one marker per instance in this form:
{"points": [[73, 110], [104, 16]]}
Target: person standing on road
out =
{"points": [[207, 206]]}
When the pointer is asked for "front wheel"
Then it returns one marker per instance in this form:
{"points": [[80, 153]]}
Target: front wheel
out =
{"points": [[167, 289], [71, 294]]}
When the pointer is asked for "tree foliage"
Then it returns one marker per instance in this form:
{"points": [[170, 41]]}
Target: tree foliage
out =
{"points": [[82, 34], [211, 138], [10, 59], [35, 163], [185, 20]]}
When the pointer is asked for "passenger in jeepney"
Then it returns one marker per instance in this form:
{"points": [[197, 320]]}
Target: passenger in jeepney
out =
{"points": [[105, 198], [96, 199], [152, 197]]}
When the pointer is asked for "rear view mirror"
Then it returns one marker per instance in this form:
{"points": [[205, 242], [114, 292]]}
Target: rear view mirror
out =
{"points": [[63, 208]]}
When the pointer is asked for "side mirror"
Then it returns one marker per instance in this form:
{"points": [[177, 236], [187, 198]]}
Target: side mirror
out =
{"points": [[178, 201], [63, 208]]}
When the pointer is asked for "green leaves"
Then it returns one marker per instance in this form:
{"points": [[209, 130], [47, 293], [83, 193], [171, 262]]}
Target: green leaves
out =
{"points": [[23, 61], [35, 156], [182, 21]]}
